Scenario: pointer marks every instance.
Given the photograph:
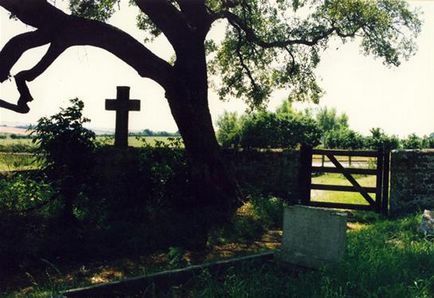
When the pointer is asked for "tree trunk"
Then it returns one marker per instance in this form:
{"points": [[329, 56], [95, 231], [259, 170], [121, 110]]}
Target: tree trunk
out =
{"points": [[216, 193]]}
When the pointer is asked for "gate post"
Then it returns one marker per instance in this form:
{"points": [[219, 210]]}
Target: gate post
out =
{"points": [[304, 174], [385, 188], [379, 180]]}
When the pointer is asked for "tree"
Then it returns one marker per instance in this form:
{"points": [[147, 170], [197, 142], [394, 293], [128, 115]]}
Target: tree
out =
{"points": [[328, 120], [268, 44], [228, 132], [343, 138], [413, 142], [379, 140], [285, 128], [429, 141]]}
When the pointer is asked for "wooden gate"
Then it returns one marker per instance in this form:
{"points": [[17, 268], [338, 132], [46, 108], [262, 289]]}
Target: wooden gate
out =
{"points": [[378, 203]]}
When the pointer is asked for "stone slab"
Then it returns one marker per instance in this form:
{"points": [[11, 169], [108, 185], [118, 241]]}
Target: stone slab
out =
{"points": [[313, 237]]}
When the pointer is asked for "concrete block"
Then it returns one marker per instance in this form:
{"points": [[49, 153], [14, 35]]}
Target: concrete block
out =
{"points": [[313, 237]]}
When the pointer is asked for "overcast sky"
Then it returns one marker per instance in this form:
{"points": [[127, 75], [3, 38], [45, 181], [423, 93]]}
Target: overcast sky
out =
{"points": [[399, 100]]}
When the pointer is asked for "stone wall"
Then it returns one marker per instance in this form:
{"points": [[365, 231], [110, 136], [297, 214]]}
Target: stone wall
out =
{"points": [[412, 180], [273, 172], [267, 172]]}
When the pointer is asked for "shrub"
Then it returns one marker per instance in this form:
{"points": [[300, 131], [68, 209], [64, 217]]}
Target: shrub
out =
{"points": [[20, 194], [66, 150]]}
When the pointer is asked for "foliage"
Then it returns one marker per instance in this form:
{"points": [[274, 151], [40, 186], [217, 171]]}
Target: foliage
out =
{"points": [[229, 127], [285, 128], [268, 210], [151, 133], [20, 194], [343, 138], [17, 146], [176, 257], [413, 142], [270, 45], [94, 9], [66, 151], [15, 136], [279, 45], [428, 141], [379, 140], [63, 141], [14, 162], [328, 120]]}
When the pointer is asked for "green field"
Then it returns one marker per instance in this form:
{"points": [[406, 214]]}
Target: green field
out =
{"points": [[338, 196], [132, 141], [14, 153], [17, 161]]}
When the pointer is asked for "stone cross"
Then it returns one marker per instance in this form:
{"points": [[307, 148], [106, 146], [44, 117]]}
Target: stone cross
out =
{"points": [[122, 105]]}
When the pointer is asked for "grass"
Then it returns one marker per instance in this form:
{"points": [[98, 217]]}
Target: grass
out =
{"points": [[384, 258], [14, 153], [341, 197], [134, 141], [17, 161], [387, 258]]}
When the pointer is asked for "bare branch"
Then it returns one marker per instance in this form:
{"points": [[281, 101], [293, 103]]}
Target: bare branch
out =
{"points": [[63, 31], [15, 47], [242, 62]]}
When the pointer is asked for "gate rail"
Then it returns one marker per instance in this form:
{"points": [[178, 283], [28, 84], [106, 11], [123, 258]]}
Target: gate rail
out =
{"points": [[378, 203]]}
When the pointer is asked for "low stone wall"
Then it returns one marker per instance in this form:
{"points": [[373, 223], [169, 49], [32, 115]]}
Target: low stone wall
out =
{"points": [[273, 172], [412, 180], [266, 172]]}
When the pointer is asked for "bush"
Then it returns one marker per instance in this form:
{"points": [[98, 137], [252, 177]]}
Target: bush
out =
{"points": [[269, 211], [66, 151], [149, 188], [20, 193]]}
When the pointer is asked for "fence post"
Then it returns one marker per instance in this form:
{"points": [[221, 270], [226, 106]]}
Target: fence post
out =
{"points": [[379, 181], [305, 173], [386, 169]]}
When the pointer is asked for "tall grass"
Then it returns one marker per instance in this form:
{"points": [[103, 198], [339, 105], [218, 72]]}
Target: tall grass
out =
{"points": [[17, 161]]}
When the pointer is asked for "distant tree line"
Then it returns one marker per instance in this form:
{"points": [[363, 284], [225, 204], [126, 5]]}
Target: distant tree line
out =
{"points": [[288, 128], [151, 133]]}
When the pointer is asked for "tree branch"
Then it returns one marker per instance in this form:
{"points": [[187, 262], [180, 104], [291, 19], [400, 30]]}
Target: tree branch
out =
{"points": [[15, 47], [64, 31], [251, 36], [197, 15], [168, 19]]}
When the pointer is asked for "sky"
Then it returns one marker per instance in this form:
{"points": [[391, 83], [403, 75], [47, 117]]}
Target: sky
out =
{"points": [[398, 100]]}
